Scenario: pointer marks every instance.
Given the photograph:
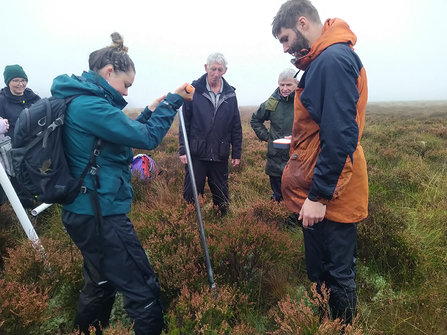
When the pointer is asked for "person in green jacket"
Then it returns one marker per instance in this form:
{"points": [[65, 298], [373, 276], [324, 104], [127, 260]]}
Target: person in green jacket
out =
{"points": [[114, 259], [278, 109]]}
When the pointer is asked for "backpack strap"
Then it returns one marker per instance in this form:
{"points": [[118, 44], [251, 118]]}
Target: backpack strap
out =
{"points": [[56, 123], [91, 165], [71, 98], [93, 169]]}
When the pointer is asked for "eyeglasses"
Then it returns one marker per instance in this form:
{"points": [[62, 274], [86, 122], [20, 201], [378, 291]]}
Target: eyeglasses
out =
{"points": [[19, 81]]}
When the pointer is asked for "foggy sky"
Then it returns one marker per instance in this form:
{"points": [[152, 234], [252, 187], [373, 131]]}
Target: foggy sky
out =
{"points": [[402, 43]]}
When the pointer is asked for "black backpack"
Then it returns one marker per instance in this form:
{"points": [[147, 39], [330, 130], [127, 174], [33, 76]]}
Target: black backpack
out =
{"points": [[38, 158]]}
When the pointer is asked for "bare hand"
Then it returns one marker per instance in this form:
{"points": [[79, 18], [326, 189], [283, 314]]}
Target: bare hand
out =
{"points": [[183, 159], [288, 137], [235, 162], [154, 104], [182, 92], [5, 121], [312, 212]]}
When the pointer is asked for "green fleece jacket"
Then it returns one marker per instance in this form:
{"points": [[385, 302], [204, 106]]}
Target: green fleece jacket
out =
{"points": [[97, 113]]}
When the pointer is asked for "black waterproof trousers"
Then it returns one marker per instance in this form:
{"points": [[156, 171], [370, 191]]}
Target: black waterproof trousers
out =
{"points": [[275, 183], [117, 262], [217, 174], [330, 249]]}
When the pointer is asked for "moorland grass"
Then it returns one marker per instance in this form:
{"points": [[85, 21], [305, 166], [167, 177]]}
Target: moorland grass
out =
{"points": [[258, 261]]}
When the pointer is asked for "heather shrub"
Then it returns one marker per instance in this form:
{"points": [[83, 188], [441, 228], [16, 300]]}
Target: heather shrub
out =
{"points": [[270, 212], [10, 229], [7, 241], [59, 262], [172, 242], [48, 278], [310, 316], [116, 329], [244, 251], [23, 306], [203, 313]]}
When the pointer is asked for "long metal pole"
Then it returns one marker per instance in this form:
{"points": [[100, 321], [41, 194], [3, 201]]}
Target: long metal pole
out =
{"points": [[197, 204]]}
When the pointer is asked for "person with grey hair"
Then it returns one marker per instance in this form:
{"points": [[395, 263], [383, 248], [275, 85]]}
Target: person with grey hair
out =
{"points": [[218, 58], [278, 109], [213, 126]]}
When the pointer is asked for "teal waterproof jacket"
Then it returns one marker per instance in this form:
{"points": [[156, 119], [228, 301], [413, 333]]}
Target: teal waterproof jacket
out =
{"points": [[279, 111], [97, 113]]}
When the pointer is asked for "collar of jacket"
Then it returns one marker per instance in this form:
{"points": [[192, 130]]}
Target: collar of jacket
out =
{"points": [[334, 31], [28, 95], [200, 86], [109, 93]]}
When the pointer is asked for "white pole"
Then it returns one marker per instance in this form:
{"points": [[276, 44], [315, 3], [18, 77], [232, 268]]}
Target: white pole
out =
{"points": [[39, 209], [18, 208]]}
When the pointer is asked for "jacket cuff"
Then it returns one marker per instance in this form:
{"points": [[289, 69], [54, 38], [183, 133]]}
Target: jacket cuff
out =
{"points": [[146, 113], [182, 150], [318, 199], [173, 100]]}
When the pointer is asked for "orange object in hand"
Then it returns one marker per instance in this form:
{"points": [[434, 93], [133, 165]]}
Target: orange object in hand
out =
{"points": [[189, 89]]}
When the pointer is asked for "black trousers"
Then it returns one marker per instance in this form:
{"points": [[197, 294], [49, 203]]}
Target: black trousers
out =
{"points": [[117, 263], [330, 250], [275, 183], [217, 174]]}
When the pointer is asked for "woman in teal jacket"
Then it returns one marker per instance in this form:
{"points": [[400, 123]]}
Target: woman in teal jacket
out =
{"points": [[114, 259]]}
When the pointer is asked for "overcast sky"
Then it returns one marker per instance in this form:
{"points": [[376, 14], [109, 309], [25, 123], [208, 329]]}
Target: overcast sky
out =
{"points": [[402, 43]]}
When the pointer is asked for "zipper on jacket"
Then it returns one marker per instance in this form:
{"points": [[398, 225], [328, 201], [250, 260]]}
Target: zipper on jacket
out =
{"points": [[207, 95], [224, 98]]}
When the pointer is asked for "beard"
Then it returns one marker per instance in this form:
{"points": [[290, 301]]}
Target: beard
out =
{"points": [[300, 44]]}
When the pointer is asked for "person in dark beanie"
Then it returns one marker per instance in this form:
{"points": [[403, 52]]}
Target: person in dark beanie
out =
{"points": [[13, 99], [14, 71], [15, 96]]}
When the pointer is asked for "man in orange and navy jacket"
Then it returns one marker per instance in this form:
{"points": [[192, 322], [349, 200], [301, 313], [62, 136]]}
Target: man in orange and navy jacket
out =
{"points": [[325, 180]]}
